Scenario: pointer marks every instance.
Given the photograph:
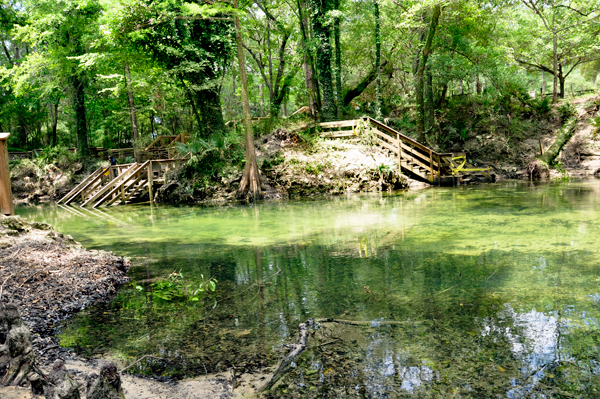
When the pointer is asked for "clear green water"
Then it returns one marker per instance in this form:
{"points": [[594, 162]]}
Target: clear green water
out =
{"points": [[496, 288]]}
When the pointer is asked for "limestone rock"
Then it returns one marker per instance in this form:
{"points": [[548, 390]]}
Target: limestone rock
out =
{"points": [[61, 386], [107, 385], [15, 223]]}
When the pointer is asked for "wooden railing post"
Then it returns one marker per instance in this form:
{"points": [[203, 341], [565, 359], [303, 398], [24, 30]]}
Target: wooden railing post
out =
{"points": [[6, 198], [150, 180], [431, 163], [399, 153]]}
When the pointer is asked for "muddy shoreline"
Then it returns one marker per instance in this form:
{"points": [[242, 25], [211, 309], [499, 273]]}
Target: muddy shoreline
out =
{"points": [[50, 277]]}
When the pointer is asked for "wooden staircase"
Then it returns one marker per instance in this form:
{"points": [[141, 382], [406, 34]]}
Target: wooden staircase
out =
{"points": [[414, 159], [120, 184]]}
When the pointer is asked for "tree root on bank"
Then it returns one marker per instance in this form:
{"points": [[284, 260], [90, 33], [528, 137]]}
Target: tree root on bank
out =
{"points": [[297, 349], [537, 169]]}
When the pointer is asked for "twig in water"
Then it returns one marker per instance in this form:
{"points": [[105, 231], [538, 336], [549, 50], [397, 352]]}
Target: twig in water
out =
{"points": [[139, 360], [447, 289]]}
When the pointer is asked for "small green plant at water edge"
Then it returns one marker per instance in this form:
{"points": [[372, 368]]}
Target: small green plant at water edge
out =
{"points": [[564, 175], [173, 288]]}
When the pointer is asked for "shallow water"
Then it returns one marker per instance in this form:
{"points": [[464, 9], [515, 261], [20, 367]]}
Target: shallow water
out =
{"points": [[485, 291]]}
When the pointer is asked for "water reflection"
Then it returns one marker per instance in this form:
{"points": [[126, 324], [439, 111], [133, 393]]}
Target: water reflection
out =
{"points": [[472, 292]]}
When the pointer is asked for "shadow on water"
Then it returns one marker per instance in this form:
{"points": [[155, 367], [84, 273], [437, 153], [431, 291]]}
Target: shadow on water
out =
{"points": [[487, 291]]}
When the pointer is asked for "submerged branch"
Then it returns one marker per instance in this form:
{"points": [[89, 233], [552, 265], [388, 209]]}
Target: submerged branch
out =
{"points": [[297, 349]]}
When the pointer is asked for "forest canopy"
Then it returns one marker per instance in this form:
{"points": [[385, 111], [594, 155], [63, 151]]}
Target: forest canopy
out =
{"points": [[117, 73]]}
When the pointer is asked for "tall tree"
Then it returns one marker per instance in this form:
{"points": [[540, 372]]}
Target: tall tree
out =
{"points": [[195, 48], [322, 31], [250, 183], [378, 101], [63, 29], [561, 18], [338, 54], [420, 75]]}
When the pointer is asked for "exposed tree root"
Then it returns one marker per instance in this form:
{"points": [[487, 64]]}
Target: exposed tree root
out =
{"points": [[537, 169]]}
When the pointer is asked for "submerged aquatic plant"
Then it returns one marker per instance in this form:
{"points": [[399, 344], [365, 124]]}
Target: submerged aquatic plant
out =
{"points": [[174, 288]]}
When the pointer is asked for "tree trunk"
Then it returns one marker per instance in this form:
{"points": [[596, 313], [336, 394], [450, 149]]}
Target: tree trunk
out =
{"points": [[307, 60], [478, 85], [211, 114], [250, 183], [429, 104], [132, 114], [356, 91], [555, 56], [421, 71], [561, 82], [378, 102], [322, 33], [338, 57], [54, 115], [443, 94], [563, 137], [83, 148], [543, 85]]}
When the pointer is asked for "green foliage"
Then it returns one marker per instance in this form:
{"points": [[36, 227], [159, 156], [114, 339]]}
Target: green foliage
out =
{"points": [[175, 288], [207, 158], [59, 156], [565, 111], [564, 175]]}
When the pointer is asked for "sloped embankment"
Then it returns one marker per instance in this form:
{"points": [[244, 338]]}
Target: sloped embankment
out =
{"points": [[323, 166]]}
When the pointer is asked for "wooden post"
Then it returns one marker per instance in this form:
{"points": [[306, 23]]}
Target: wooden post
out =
{"points": [[150, 180], [431, 164], [6, 198], [399, 153]]}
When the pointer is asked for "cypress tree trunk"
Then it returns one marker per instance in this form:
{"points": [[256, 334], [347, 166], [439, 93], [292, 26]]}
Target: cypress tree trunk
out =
{"points": [[322, 35], [132, 114], [377, 59], [250, 184], [77, 82], [421, 72], [338, 57]]}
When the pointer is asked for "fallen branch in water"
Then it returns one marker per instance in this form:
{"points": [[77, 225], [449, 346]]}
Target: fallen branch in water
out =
{"points": [[366, 323], [285, 364], [139, 360]]}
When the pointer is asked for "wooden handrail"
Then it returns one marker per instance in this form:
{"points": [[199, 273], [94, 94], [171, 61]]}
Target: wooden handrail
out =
{"points": [[394, 132], [75, 189], [113, 182], [127, 177]]}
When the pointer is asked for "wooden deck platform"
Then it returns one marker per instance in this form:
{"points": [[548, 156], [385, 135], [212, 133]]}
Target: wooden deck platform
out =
{"points": [[414, 159]]}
